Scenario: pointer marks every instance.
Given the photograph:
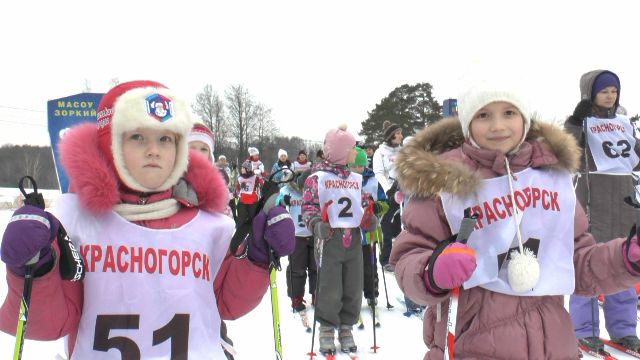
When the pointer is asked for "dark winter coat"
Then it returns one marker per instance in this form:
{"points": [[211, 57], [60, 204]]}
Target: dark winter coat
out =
{"points": [[609, 217], [492, 325]]}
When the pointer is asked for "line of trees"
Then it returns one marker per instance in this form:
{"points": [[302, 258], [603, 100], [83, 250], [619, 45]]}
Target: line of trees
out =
{"points": [[239, 121], [20, 160]]}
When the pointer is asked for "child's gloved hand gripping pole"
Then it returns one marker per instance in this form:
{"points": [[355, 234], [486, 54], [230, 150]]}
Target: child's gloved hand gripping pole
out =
{"points": [[37, 200], [466, 228]]}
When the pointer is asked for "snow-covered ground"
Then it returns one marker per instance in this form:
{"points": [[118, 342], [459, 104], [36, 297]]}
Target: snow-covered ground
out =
{"points": [[398, 336]]}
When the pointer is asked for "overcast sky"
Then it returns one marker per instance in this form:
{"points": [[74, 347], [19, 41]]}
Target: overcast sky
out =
{"points": [[315, 64]]}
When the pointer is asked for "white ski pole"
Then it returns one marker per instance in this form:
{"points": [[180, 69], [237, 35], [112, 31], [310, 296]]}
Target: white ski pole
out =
{"points": [[466, 228]]}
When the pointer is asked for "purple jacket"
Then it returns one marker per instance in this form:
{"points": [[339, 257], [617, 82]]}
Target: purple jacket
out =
{"points": [[492, 325]]}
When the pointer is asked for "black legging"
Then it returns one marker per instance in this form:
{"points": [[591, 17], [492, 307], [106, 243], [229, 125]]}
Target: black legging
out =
{"points": [[390, 229]]}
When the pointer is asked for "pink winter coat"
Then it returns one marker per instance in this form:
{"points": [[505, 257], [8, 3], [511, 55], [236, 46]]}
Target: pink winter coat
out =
{"points": [[56, 305], [492, 325]]}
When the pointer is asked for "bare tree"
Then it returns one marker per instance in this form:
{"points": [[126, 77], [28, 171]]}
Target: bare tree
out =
{"points": [[241, 122], [210, 108], [32, 165], [265, 127]]}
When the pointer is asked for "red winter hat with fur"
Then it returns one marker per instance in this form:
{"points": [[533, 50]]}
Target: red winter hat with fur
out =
{"points": [[142, 104]]}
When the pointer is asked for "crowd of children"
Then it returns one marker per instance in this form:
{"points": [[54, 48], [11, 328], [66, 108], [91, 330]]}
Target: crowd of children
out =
{"points": [[146, 171]]}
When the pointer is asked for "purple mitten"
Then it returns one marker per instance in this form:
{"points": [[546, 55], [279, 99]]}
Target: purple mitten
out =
{"points": [[281, 231], [30, 231], [275, 228], [451, 268]]}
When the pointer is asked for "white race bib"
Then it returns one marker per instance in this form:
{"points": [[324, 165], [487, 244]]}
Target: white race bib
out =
{"points": [[247, 184], [148, 293], [295, 210], [345, 195], [546, 206], [612, 144]]}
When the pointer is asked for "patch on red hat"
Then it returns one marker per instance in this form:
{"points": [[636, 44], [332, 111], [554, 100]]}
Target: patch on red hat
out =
{"points": [[160, 107]]}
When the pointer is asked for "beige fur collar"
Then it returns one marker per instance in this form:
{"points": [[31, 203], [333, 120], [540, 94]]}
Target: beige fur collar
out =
{"points": [[422, 172]]}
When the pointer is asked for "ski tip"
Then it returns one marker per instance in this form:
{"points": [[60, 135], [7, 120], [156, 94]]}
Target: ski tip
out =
{"points": [[599, 355], [308, 330], [361, 327], [353, 356], [378, 325]]}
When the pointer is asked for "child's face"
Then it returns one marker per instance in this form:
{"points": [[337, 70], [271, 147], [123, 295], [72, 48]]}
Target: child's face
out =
{"points": [[149, 155], [201, 147], [497, 126], [283, 157], [369, 151], [607, 97], [397, 138], [302, 157]]}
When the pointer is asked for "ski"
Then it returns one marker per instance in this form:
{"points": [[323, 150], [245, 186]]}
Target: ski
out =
{"points": [[418, 313], [597, 354], [620, 348], [353, 355], [329, 355]]}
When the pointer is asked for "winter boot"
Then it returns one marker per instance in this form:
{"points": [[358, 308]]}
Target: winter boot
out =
{"points": [[630, 342], [297, 304], [326, 339], [345, 337], [592, 343]]}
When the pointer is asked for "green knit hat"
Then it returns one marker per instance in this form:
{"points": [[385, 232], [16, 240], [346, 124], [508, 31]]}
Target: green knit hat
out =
{"points": [[361, 158]]}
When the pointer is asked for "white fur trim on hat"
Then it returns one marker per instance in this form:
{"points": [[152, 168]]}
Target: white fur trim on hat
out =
{"points": [[253, 151], [130, 112], [198, 136], [282, 152], [482, 94]]}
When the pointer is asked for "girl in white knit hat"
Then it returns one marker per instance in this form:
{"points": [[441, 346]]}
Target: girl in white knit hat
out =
{"points": [[530, 244]]}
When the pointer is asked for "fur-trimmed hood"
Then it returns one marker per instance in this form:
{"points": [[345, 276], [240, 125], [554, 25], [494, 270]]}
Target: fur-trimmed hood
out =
{"points": [[438, 158], [97, 184]]}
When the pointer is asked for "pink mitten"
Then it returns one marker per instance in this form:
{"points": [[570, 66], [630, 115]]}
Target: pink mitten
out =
{"points": [[450, 268]]}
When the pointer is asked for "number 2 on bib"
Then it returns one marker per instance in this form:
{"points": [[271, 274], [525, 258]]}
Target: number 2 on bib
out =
{"points": [[345, 213]]}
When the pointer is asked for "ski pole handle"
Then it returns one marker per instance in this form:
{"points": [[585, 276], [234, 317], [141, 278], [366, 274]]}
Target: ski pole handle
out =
{"points": [[466, 226], [34, 198]]}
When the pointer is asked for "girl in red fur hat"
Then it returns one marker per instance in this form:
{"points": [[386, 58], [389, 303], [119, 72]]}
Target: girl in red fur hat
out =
{"points": [[147, 218]]}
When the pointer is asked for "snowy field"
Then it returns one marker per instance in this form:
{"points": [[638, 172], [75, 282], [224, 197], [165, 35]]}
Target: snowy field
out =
{"points": [[398, 337]]}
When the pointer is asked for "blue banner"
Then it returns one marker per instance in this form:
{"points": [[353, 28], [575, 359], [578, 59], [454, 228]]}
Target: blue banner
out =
{"points": [[450, 107], [64, 113]]}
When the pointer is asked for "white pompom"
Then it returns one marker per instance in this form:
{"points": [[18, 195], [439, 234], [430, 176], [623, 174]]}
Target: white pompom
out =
{"points": [[342, 126], [524, 270]]}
